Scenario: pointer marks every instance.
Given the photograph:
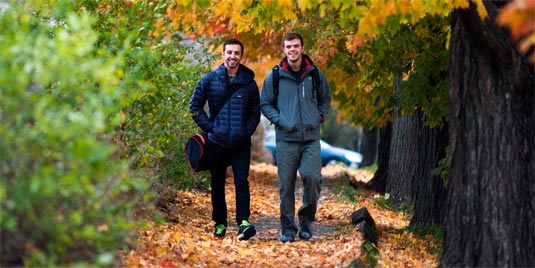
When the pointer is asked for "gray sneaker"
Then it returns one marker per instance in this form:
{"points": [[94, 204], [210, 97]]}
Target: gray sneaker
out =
{"points": [[305, 233], [288, 237]]}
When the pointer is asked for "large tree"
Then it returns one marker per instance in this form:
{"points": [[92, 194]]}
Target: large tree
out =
{"points": [[420, 63], [402, 164], [378, 182], [429, 189], [369, 146], [492, 181]]}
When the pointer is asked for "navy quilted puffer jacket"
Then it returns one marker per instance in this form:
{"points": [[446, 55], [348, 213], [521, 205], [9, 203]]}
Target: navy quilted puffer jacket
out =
{"points": [[237, 120]]}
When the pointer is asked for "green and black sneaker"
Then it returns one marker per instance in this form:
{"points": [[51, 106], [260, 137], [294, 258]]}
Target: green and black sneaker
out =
{"points": [[246, 230], [220, 230]]}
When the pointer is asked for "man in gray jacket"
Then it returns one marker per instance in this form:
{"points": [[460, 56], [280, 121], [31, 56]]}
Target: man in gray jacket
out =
{"points": [[297, 109]]}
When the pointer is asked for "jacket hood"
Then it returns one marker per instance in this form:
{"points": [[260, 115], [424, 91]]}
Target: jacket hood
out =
{"points": [[243, 77], [308, 63]]}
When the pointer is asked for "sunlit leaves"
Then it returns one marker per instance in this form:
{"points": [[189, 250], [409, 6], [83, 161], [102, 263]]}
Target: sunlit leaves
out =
{"points": [[519, 17], [481, 10]]}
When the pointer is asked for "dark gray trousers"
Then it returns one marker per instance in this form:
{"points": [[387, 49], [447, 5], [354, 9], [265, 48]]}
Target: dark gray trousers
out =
{"points": [[306, 158]]}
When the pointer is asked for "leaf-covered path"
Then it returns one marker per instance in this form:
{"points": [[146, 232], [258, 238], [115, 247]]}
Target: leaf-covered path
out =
{"points": [[186, 240]]}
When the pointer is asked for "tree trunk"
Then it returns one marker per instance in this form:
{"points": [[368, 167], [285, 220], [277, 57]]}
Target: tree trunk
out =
{"points": [[403, 158], [369, 147], [378, 182], [429, 190], [491, 192]]}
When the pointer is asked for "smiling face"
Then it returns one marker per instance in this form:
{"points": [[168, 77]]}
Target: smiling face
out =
{"points": [[232, 56], [293, 50]]}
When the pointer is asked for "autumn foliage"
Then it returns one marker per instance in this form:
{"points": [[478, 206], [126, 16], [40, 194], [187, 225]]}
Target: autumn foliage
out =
{"points": [[359, 44]]}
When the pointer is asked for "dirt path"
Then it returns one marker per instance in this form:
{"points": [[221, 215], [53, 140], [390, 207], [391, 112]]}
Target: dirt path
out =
{"points": [[186, 240], [269, 226]]}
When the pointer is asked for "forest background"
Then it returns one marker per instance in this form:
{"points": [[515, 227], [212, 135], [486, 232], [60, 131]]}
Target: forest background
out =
{"points": [[94, 113]]}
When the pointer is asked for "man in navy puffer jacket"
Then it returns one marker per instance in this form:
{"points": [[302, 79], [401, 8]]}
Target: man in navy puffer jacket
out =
{"points": [[229, 133]]}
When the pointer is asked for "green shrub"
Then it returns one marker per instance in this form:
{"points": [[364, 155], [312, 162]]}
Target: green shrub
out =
{"points": [[158, 122], [66, 196], [89, 96]]}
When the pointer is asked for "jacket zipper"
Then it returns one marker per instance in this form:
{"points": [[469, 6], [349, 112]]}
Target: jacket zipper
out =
{"points": [[300, 112]]}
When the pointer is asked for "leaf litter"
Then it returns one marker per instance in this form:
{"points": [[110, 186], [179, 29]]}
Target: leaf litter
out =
{"points": [[187, 239]]}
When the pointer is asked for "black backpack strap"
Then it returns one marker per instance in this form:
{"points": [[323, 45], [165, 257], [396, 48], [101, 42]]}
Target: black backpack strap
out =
{"points": [[315, 80], [275, 75]]}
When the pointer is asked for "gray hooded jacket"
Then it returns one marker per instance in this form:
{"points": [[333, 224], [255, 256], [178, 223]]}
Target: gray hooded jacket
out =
{"points": [[296, 111]]}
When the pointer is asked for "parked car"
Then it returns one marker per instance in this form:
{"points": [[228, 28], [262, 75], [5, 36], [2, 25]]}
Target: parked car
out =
{"points": [[330, 155]]}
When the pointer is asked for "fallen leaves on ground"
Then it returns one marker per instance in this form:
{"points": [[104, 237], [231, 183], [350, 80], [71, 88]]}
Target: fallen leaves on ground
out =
{"points": [[187, 240]]}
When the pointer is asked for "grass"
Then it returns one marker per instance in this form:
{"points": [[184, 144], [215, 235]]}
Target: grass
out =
{"points": [[386, 203], [372, 168], [345, 192], [437, 232]]}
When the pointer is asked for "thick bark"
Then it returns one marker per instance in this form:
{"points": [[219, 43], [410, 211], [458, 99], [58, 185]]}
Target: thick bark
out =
{"points": [[403, 158], [369, 147], [378, 182], [429, 191], [491, 190]]}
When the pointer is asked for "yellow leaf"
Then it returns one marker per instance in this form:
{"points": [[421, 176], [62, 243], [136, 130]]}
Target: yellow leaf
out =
{"points": [[481, 9], [460, 3], [286, 3], [527, 43], [404, 6], [160, 251]]}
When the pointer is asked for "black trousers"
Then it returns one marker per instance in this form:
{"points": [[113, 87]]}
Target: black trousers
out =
{"points": [[239, 159]]}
